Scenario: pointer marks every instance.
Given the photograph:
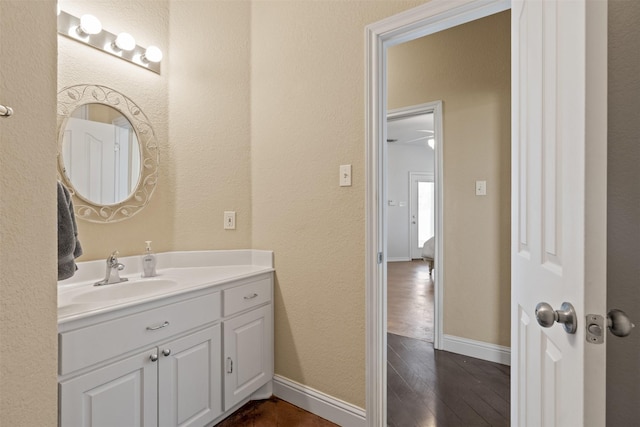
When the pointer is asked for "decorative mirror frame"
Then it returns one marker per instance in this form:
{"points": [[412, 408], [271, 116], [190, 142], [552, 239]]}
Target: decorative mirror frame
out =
{"points": [[72, 97]]}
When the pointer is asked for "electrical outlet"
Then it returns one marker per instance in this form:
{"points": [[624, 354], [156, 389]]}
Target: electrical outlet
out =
{"points": [[229, 220]]}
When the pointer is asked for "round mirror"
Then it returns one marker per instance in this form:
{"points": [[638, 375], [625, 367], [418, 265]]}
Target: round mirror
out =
{"points": [[101, 154], [107, 153]]}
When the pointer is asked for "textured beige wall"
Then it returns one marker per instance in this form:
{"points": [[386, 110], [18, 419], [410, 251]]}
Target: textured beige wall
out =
{"points": [[28, 344], [209, 123], [307, 115], [148, 22], [199, 108], [468, 68]]}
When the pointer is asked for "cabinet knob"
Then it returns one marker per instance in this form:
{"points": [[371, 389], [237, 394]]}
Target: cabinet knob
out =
{"points": [[153, 357], [166, 351]]}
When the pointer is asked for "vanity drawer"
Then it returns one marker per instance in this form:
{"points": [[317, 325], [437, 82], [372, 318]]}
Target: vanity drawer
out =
{"points": [[96, 343], [246, 296]]}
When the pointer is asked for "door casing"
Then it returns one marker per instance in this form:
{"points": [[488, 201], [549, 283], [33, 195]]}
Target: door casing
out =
{"points": [[432, 17]]}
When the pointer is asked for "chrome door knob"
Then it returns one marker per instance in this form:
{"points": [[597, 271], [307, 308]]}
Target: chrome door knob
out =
{"points": [[166, 351], [619, 323], [153, 357], [547, 316]]}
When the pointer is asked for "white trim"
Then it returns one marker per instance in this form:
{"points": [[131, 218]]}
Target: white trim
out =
{"points": [[429, 18], [478, 349], [325, 406]]}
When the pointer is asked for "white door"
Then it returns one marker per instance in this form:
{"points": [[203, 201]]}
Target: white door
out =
{"points": [[90, 159], [559, 83], [421, 210]]}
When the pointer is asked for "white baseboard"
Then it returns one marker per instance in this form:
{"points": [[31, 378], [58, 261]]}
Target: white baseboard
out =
{"points": [[335, 410], [478, 349], [399, 259]]}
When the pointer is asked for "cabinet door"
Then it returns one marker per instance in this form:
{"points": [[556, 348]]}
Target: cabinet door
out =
{"points": [[248, 354], [121, 394], [190, 387]]}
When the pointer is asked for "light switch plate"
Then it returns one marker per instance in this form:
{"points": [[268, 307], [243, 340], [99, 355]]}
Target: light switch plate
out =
{"points": [[345, 175], [481, 188], [229, 220]]}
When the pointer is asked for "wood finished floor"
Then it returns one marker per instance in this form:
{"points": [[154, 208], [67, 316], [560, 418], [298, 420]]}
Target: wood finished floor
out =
{"points": [[433, 388], [273, 412], [410, 300]]}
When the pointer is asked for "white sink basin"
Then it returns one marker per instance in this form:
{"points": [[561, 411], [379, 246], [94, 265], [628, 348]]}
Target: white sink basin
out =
{"points": [[125, 290]]}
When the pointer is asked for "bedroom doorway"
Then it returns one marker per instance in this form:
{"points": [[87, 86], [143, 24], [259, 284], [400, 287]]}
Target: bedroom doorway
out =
{"points": [[414, 164]]}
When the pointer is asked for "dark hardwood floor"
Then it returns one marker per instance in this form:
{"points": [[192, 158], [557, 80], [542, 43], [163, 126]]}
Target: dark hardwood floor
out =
{"points": [[273, 412], [427, 387]]}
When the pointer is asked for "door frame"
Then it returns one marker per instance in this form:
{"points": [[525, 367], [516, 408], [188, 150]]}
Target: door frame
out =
{"points": [[429, 18]]}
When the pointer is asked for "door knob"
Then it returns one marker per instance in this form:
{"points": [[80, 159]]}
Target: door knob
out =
{"points": [[619, 323], [547, 316], [166, 352]]}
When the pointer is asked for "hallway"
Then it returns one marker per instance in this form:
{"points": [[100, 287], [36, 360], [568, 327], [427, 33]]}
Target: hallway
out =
{"points": [[427, 387]]}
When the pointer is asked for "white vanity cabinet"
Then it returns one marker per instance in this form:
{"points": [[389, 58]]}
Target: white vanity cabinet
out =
{"points": [[189, 380], [143, 390], [123, 393], [248, 340], [183, 361], [175, 380]]}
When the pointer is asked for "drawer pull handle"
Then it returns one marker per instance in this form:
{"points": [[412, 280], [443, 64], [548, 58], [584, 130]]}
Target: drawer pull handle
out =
{"points": [[229, 365], [155, 328], [252, 296]]}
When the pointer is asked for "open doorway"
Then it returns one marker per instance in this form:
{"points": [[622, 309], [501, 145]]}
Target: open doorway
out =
{"points": [[411, 154], [468, 67]]}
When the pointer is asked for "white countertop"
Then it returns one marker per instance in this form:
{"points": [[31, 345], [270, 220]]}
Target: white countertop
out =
{"points": [[178, 272]]}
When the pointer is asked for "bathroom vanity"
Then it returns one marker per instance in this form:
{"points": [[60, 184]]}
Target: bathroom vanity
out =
{"points": [[185, 348]]}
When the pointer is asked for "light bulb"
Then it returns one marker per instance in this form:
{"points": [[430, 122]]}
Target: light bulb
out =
{"points": [[125, 41], [152, 54], [89, 24]]}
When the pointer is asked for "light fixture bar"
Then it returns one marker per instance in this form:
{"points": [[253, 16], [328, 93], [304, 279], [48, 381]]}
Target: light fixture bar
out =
{"points": [[104, 41]]}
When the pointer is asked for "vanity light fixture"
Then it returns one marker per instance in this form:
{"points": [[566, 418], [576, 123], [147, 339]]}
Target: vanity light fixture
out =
{"points": [[88, 30], [152, 54], [124, 41], [89, 25]]}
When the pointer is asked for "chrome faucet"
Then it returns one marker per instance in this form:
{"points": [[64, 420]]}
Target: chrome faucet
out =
{"points": [[113, 271]]}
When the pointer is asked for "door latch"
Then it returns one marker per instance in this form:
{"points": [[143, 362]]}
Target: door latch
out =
{"points": [[618, 324], [595, 329]]}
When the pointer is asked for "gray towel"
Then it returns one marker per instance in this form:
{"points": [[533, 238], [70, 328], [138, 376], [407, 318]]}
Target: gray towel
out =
{"points": [[68, 244]]}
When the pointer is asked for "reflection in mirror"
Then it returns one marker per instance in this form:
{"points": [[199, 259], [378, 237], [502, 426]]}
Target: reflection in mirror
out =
{"points": [[107, 153], [101, 154]]}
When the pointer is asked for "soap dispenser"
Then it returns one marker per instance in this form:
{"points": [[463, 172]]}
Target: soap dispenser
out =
{"points": [[148, 261]]}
